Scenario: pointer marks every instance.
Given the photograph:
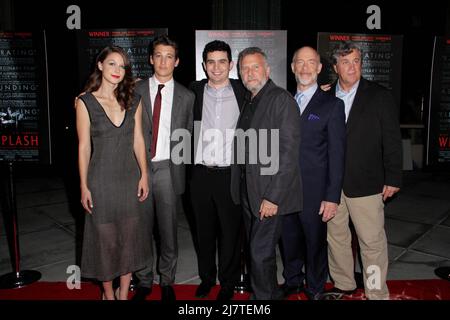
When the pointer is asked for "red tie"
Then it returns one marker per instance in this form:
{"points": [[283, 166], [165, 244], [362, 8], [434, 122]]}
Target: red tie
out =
{"points": [[156, 114]]}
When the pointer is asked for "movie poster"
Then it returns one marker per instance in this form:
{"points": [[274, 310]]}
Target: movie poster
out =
{"points": [[273, 43], [438, 135], [381, 58], [134, 41], [24, 108]]}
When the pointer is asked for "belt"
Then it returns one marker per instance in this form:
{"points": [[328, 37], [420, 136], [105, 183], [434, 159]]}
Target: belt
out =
{"points": [[160, 164], [213, 168]]}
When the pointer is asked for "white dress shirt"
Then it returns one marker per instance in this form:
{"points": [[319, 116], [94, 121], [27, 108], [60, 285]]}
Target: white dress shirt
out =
{"points": [[220, 113], [165, 118], [347, 97], [307, 95]]}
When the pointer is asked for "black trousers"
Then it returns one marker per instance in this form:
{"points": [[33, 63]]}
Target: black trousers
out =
{"points": [[263, 237], [304, 242], [218, 221]]}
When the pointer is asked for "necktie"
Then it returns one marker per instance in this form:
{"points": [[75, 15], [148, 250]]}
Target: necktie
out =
{"points": [[155, 120], [298, 97]]}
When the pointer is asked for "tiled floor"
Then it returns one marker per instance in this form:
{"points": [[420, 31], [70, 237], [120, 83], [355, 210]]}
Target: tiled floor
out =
{"points": [[417, 227]]}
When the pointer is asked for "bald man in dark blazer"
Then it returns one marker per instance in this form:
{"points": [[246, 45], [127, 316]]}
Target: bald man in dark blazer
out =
{"points": [[322, 154]]}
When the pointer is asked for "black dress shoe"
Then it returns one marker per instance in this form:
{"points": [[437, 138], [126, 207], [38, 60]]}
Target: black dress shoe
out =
{"points": [[226, 293], [313, 296], [141, 293], [203, 290], [288, 290], [278, 294], [167, 294]]}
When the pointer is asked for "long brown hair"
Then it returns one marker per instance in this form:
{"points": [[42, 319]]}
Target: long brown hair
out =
{"points": [[125, 89]]}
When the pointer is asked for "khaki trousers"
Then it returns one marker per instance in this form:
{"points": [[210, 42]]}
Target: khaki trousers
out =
{"points": [[367, 215]]}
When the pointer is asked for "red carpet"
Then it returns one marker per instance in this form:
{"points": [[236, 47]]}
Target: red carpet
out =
{"points": [[400, 290]]}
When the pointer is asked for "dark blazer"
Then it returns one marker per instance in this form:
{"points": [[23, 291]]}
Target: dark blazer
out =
{"points": [[374, 150], [276, 109], [322, 149], [182, 118]]}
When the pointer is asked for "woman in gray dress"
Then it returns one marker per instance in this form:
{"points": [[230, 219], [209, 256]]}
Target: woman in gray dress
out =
{"points": [[113, 174]]}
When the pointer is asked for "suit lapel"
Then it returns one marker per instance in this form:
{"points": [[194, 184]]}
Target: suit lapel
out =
{"points": [[199, 105], [147, 102], [239, 93], [176, 102], [261, 109], [357, 106], [311, 104]]}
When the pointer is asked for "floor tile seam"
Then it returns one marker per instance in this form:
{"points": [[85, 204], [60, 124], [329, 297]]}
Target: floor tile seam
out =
{"points": [[423, 195], [423, 235], [53, 263], [400, 219], [39, 191], [189, 280], [53, 225], [43, 205], [428, 254]]}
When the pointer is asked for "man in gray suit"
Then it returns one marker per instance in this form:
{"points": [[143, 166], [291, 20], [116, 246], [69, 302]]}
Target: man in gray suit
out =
{"points": [[266, 190], [167, 106]]}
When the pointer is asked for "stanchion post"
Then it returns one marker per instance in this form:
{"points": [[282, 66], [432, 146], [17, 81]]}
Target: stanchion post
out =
{"points": [[244, 280], [18, 278], [443, 272]]}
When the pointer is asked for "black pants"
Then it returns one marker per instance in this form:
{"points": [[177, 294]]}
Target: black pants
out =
{"points": [[218, 220], [304, 242], [263, 237]]}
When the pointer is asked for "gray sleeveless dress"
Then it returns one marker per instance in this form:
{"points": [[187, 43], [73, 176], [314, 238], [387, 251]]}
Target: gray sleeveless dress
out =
{"points": [[115, 238]]}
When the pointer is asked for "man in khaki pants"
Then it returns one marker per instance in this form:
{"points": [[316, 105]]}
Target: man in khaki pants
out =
{"points": [[372, 174]]}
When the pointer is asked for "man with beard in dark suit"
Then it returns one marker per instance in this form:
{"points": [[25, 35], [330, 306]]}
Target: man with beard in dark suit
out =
{"points": [[270, 189]]}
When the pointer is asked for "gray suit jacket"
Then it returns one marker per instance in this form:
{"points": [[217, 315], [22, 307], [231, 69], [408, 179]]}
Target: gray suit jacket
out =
{"points": [[276, 109], [182, 118]]}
